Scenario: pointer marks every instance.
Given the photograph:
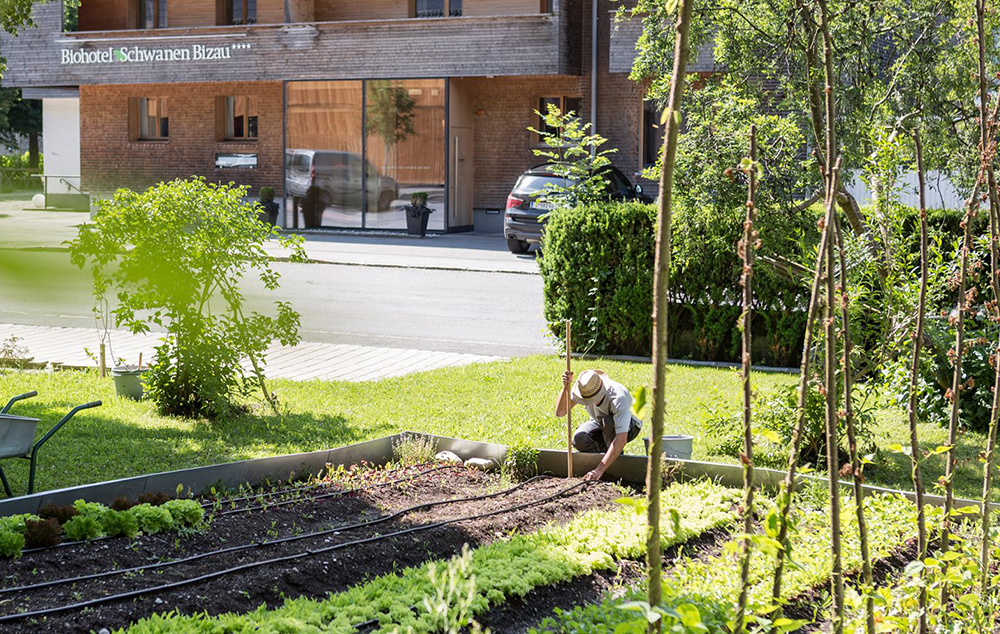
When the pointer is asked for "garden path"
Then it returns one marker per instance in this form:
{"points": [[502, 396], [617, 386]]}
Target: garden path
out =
{"points": [[77, 348]]}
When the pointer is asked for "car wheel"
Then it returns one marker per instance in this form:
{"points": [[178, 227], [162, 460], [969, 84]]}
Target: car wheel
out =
{"points": [[326, 199], [520, 247], [385, 201]]}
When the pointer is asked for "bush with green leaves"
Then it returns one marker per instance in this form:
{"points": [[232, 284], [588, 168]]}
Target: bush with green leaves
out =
{"points": [[604, 284], [176, 257], [83, 527], [775, 416], [152, 519], [185, 512]]}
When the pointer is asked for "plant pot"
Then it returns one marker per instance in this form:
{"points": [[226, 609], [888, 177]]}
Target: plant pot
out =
{"points": [[675, 446], [312, 217], [416, 222], [128, 381]]}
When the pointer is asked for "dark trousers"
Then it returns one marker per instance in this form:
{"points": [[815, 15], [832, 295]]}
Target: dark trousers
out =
{"points": [[596, 436]]}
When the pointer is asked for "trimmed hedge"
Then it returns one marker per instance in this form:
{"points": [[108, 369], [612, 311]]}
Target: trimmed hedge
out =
{"points": [[597, 267]]}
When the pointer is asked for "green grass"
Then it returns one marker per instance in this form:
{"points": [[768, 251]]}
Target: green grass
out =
{"points": [[503, 402]]}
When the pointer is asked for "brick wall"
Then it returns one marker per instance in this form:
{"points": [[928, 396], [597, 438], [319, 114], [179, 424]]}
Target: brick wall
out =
{"points": [[111, 160], [503, 108], [104, 15]]}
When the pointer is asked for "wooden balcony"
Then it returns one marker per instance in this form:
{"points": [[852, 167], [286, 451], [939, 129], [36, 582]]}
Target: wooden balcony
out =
{"points": [[526, 44]]}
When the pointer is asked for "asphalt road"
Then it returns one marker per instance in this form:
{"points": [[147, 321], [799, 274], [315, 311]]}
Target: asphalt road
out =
{"points": [[441, 310]]}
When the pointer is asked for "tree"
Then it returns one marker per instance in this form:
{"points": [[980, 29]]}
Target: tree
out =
{"points": [[389, 116], [20, 117], [661, 302], [174, 257]]}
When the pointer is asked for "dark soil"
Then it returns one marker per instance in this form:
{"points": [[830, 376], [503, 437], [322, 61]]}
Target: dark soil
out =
{"points": [[312, 576], [807, 604], [517, 616]]}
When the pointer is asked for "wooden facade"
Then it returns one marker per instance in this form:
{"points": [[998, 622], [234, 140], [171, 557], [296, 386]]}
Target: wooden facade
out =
{"points": [[383, 48]]}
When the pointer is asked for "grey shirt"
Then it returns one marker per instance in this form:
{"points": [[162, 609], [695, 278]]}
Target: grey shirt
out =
{"points": [[617, 404]]}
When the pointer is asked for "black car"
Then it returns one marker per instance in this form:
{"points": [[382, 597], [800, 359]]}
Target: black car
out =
{"points": [[522, 222]]}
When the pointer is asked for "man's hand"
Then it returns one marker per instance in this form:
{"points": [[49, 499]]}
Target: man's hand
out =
{"points": [[567, 379], [593, 475]]}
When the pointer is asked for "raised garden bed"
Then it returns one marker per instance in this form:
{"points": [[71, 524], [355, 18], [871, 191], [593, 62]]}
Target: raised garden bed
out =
{"points": [[352, 552]]}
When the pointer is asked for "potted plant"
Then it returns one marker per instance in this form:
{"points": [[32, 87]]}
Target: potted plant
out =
{"points": [[417, 213], [313, 207], [269, 208]]}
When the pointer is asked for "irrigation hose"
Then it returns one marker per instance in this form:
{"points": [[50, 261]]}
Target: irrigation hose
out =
{"points": [[281, 560], [251, 508], [293, 489], [273, 542]]}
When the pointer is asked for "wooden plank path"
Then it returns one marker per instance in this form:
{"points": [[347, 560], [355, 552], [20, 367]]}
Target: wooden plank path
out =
{"points": [[78, 348]]}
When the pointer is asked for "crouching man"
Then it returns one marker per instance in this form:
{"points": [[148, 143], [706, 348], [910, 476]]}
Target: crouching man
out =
{"points": [[611, 425]]}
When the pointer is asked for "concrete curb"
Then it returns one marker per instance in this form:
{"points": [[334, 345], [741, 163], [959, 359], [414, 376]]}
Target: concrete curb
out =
{"points": [[691, 362], [282, 258], [628, 468]]}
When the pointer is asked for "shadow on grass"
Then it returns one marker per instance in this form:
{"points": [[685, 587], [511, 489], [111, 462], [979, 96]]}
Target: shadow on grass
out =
{"points": [[105, 443], [893, 469]]}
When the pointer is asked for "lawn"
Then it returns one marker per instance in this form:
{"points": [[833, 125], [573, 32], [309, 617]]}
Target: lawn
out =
{"points": [[505, 402]]}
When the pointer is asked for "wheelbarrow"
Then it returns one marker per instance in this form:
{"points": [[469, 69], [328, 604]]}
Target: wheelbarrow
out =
{"points": [[17, 437]]}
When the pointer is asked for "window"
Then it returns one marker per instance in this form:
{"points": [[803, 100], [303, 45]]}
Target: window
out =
{"points": [[651, 143], [565, 105], [437, 8], [240, 116], [240, 11], [151, 120], [151, 14]]}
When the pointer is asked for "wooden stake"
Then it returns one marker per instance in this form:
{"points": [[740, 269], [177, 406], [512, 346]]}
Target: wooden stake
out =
{"points": [[140, 360], [104, 364], [569, 411]]}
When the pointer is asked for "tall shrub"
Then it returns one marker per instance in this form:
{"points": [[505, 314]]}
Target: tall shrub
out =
{"points": [[174, 257], [599, 279]]}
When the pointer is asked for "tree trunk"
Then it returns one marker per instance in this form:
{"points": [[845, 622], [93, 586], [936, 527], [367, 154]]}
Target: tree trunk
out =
{"points": [[852, 441], [918, 339], [747, 246], [33, 150], [661, 285], [987, 151], [832, 457]]}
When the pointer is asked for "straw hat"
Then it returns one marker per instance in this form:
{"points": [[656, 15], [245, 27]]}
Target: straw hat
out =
{"points": [[589, 388]]}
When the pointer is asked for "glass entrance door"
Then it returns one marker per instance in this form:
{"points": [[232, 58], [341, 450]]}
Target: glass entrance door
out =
{"points": [[357, 152]]}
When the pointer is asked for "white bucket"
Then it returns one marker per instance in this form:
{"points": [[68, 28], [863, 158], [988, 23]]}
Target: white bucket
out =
{"points": [[675, 446]]}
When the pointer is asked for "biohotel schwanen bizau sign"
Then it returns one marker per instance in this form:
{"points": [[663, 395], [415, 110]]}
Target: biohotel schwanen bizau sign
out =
{"points": [[139, 55]]}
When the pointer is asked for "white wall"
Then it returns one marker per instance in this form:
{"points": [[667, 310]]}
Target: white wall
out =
{"points": [[941, 194], [61, 126]]}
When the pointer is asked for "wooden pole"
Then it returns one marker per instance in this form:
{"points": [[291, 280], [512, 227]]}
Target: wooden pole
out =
{"points": [[569, 411], [104, 364]]}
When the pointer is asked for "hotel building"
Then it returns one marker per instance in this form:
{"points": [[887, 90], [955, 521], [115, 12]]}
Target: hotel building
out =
{"points": [[370, 100]]}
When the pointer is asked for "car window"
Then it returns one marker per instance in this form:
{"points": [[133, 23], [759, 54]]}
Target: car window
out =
{"points": [[532, 183], [300, 163], [617, 183]]}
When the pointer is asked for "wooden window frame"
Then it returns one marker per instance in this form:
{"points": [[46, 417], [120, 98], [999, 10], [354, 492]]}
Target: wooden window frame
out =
{"points": [[140, 13], [446, 9], [222, 13], [135, 113], [222, 121], [539, 119]]}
